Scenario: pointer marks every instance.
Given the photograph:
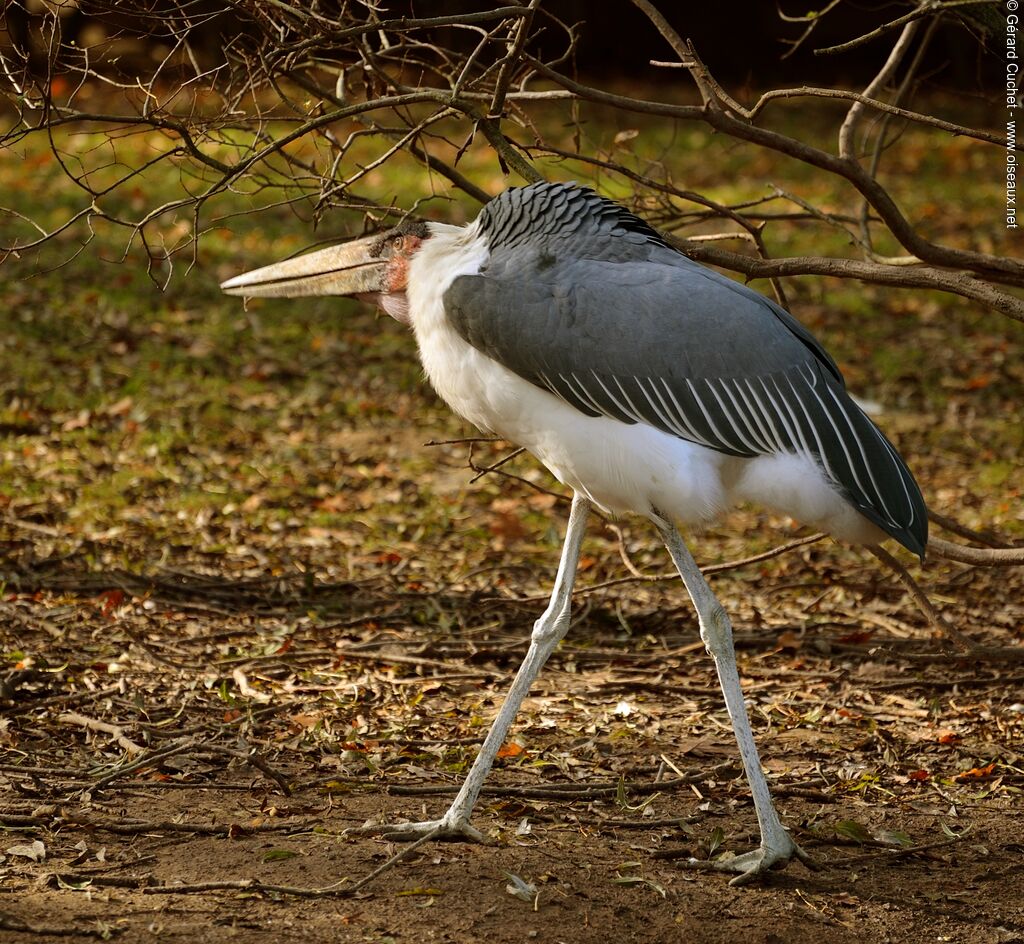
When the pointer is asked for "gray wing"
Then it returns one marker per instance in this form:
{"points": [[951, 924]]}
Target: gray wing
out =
{"points": [[658, 339]]}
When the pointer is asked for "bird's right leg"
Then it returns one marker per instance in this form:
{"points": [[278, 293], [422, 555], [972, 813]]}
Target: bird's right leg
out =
{"points": [[777, 846], [548, 631]]}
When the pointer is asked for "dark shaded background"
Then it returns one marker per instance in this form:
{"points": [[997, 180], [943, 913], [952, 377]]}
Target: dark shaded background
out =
{"points": [[741, 42]]}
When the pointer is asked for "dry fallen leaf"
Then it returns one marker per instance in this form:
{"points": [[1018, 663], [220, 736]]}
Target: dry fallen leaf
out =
{"points": [[36, 851], [977, 773]]}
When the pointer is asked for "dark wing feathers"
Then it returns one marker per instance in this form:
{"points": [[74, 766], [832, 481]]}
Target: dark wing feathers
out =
{"points": [[587, 302]]}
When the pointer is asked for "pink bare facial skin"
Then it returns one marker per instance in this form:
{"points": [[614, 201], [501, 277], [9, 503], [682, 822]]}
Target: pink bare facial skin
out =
{"points": [[393, 301]]}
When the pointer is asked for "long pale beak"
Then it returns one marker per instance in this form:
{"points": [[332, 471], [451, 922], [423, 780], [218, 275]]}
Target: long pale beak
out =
{"points": [[348, 269]]}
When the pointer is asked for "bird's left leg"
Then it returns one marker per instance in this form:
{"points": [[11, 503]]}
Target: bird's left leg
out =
{"points": [[777, 847], [547, 633]]}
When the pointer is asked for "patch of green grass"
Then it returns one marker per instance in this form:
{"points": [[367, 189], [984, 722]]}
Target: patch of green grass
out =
{"points": [[185, 416]]}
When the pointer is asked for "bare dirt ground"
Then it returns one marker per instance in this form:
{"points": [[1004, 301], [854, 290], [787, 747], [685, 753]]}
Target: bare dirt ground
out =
{"points": [[195, 780]]}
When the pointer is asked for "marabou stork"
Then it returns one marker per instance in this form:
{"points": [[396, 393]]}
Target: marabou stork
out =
{"points": [[646, 383]]}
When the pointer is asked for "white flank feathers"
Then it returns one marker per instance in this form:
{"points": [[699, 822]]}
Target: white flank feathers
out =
{"points": [[620, 467]]}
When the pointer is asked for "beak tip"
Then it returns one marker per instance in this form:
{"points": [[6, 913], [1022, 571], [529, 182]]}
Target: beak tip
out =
{"points": [[232, 286]]}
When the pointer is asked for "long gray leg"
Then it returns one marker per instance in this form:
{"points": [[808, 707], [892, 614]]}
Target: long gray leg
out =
{"points": [[777, 847], [548, 631]]}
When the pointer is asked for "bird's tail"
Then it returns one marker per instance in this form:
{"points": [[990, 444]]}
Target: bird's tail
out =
{"points": [[873, 475]]}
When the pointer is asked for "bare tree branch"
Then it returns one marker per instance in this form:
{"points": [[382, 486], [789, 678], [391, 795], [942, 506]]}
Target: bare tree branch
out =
{"points": [[927, 8], [847, 149], [978, 556], [997, 268], [922, 277]]}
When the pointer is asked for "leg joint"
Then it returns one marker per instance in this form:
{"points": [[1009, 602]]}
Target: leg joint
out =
{"points": [[550, 627], [715, 627]]}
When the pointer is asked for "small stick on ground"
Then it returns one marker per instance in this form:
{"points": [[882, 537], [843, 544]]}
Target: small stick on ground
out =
{"points": [[93, 724], [148, 761], [934, 617], [10, 923], [246, 885], [251, 884], [393, 861], [709, 569], [891, 854], [575, 792], [254, 759]]}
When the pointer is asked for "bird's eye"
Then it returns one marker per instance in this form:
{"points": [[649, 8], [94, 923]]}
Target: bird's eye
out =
{"points": [[404, 244]]}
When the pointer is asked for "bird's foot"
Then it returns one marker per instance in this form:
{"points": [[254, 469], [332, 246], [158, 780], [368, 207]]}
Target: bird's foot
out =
{"points": [[450, 828], [750, 866]]}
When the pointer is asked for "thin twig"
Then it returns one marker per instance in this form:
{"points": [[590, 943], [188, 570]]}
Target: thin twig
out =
{"points": [[252, 885], [924, 9], [254, 759], [511, 61], [149, 760], [115, 731], [102, 932], [978, 556], [934, 617], [988, 538], [890, 855], [853, 116], [497, 465], [394, 860], [709, 569]]}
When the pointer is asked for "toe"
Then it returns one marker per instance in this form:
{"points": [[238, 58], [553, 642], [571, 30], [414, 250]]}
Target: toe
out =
{"points": [[442, 829], [750, 866]]}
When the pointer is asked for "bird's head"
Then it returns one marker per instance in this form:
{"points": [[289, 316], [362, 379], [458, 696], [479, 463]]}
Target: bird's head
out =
{"points": [[374, 268]]}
